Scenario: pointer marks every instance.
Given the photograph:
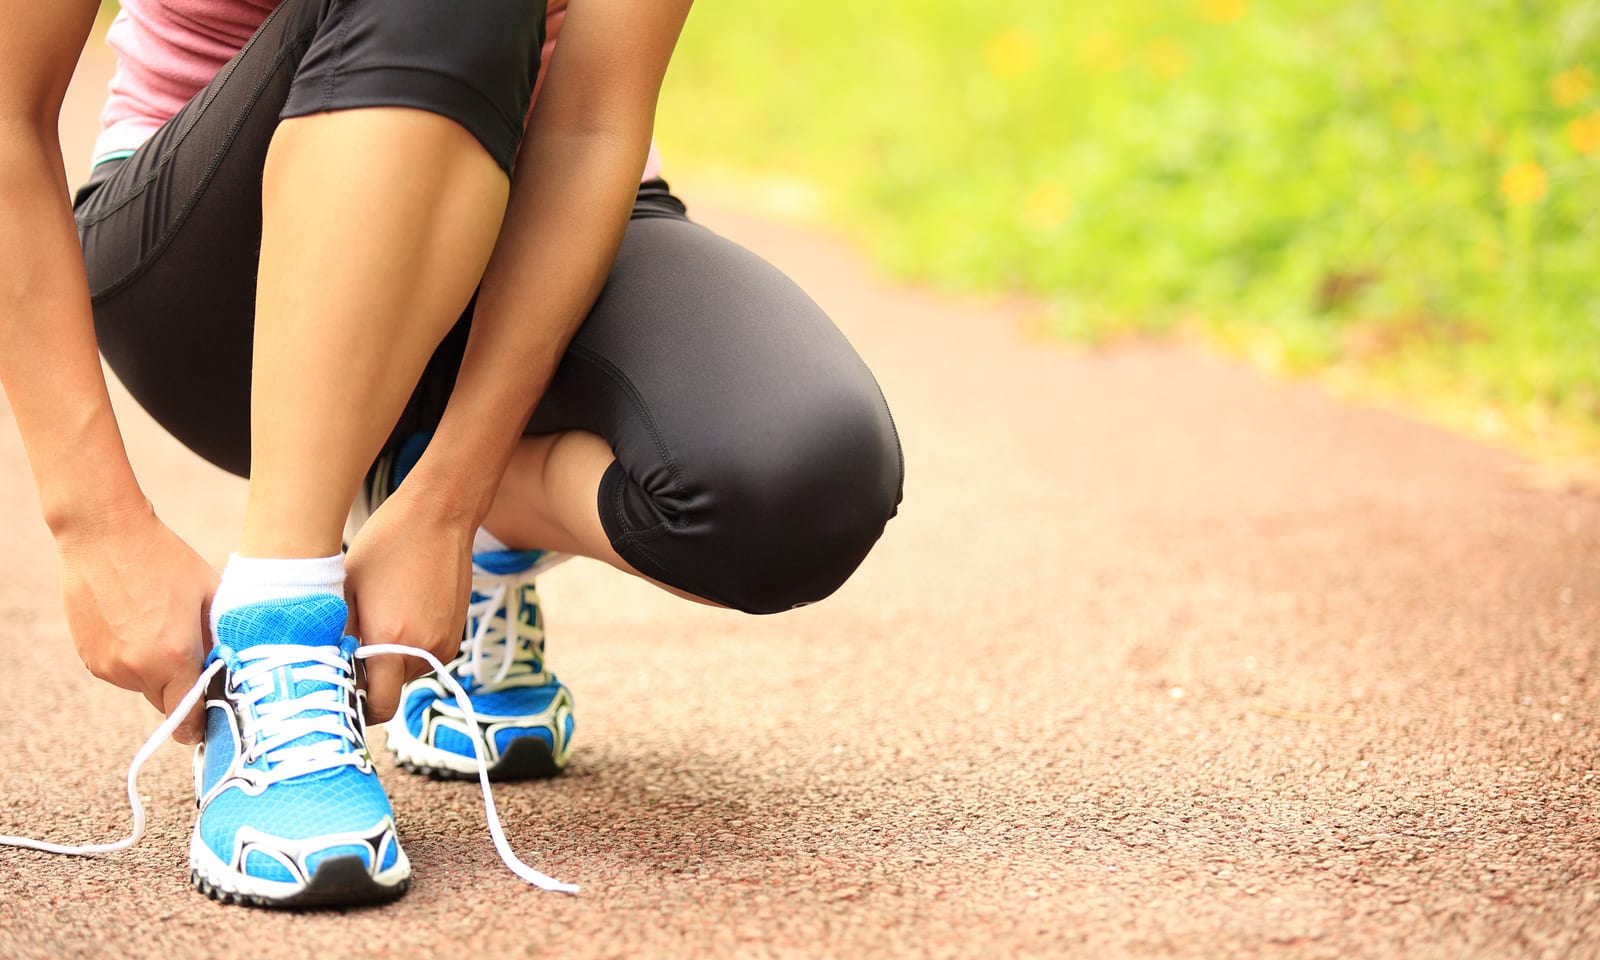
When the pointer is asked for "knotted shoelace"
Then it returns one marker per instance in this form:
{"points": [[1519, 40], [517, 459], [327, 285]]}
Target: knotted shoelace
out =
{"points": [[304, 757], [298, 734], [490, 651]]}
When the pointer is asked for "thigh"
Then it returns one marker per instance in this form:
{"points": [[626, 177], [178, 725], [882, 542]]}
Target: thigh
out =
{"points": [[756, 460], [695, 344], [171, 235]]}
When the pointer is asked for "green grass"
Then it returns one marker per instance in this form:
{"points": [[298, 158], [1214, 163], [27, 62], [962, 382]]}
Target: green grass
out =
{"points": [[1402, 195]]}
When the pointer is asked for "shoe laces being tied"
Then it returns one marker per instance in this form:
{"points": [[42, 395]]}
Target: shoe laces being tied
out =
{"points": [[300, 715], [309, 741]]}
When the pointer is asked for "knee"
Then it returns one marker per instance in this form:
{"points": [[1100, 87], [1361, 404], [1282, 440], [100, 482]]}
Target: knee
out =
{"points": [[781, 517], [792, 516]]}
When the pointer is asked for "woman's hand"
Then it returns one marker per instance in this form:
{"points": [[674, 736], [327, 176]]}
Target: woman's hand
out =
{"points": [[136, 598], [408, 575]]}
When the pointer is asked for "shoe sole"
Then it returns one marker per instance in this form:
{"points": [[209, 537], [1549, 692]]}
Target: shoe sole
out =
{"points": [[338, 882], [527, 758], [341, 881]]}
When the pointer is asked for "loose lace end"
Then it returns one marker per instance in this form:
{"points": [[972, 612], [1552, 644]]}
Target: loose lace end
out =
{"points": [[512, 862], [151, 745]]}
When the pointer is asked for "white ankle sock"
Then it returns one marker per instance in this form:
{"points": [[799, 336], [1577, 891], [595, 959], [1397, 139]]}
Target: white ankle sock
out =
{"points": [[254, 579], [485, 542]]}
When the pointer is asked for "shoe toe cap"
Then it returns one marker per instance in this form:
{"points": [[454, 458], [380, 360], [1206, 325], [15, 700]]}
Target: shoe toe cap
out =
{"points": [[340, 814]]}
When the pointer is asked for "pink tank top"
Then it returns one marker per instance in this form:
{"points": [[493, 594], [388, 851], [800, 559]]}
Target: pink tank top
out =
{"points": [[167, 50]]}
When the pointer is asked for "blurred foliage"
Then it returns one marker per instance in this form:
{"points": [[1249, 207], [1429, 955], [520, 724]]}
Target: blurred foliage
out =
{"points": [[1404, 193]]}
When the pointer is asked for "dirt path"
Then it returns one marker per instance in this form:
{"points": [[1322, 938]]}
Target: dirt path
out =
{"points": [[1160, 659]]}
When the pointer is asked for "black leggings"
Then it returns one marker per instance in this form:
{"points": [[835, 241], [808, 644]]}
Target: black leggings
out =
{"points": [[756, 461]]}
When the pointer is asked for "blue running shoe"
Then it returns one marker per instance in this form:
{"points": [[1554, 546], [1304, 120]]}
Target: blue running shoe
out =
{"points": [[524, 713], [291, 810]]}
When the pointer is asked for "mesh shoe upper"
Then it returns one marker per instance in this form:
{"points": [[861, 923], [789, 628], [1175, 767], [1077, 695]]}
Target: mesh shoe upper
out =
{"points": [[285, 779], [501, 665]]}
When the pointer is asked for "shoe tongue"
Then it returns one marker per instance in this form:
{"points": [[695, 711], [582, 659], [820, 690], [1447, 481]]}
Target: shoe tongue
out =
{"points": [[314, 621]]}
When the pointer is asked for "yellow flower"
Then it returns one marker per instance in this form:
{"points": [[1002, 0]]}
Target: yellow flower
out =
{"points": [[1047, 207], [1422, 168], [1524, 183], [1224, 11], [1570, 87], [1011, 53], [1102, 52], [1407, 116], [1489, 256], [1167, 58], [1584, 133]]}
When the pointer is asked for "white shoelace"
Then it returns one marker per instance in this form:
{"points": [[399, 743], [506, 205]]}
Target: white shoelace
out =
{"points": [[326, 711], [493, 644], [318, 753]]}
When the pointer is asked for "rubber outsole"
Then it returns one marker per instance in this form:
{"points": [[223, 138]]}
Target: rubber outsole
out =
{"points": [[338, 882], [527, 758]]}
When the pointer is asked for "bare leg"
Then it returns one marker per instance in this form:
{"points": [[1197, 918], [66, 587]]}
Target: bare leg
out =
{"points": [[377, 225], [547, 500]]}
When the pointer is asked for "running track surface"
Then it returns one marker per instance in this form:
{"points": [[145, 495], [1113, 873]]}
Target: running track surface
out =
{"points": [[1160, 659]]}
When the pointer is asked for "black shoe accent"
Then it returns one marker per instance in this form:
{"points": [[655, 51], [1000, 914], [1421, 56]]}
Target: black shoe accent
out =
{"points": [[527, 758], [338, 882]]}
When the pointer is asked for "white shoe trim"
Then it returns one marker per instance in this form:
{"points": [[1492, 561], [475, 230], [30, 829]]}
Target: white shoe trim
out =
{"points": [[408, 749], [292, 854]]}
